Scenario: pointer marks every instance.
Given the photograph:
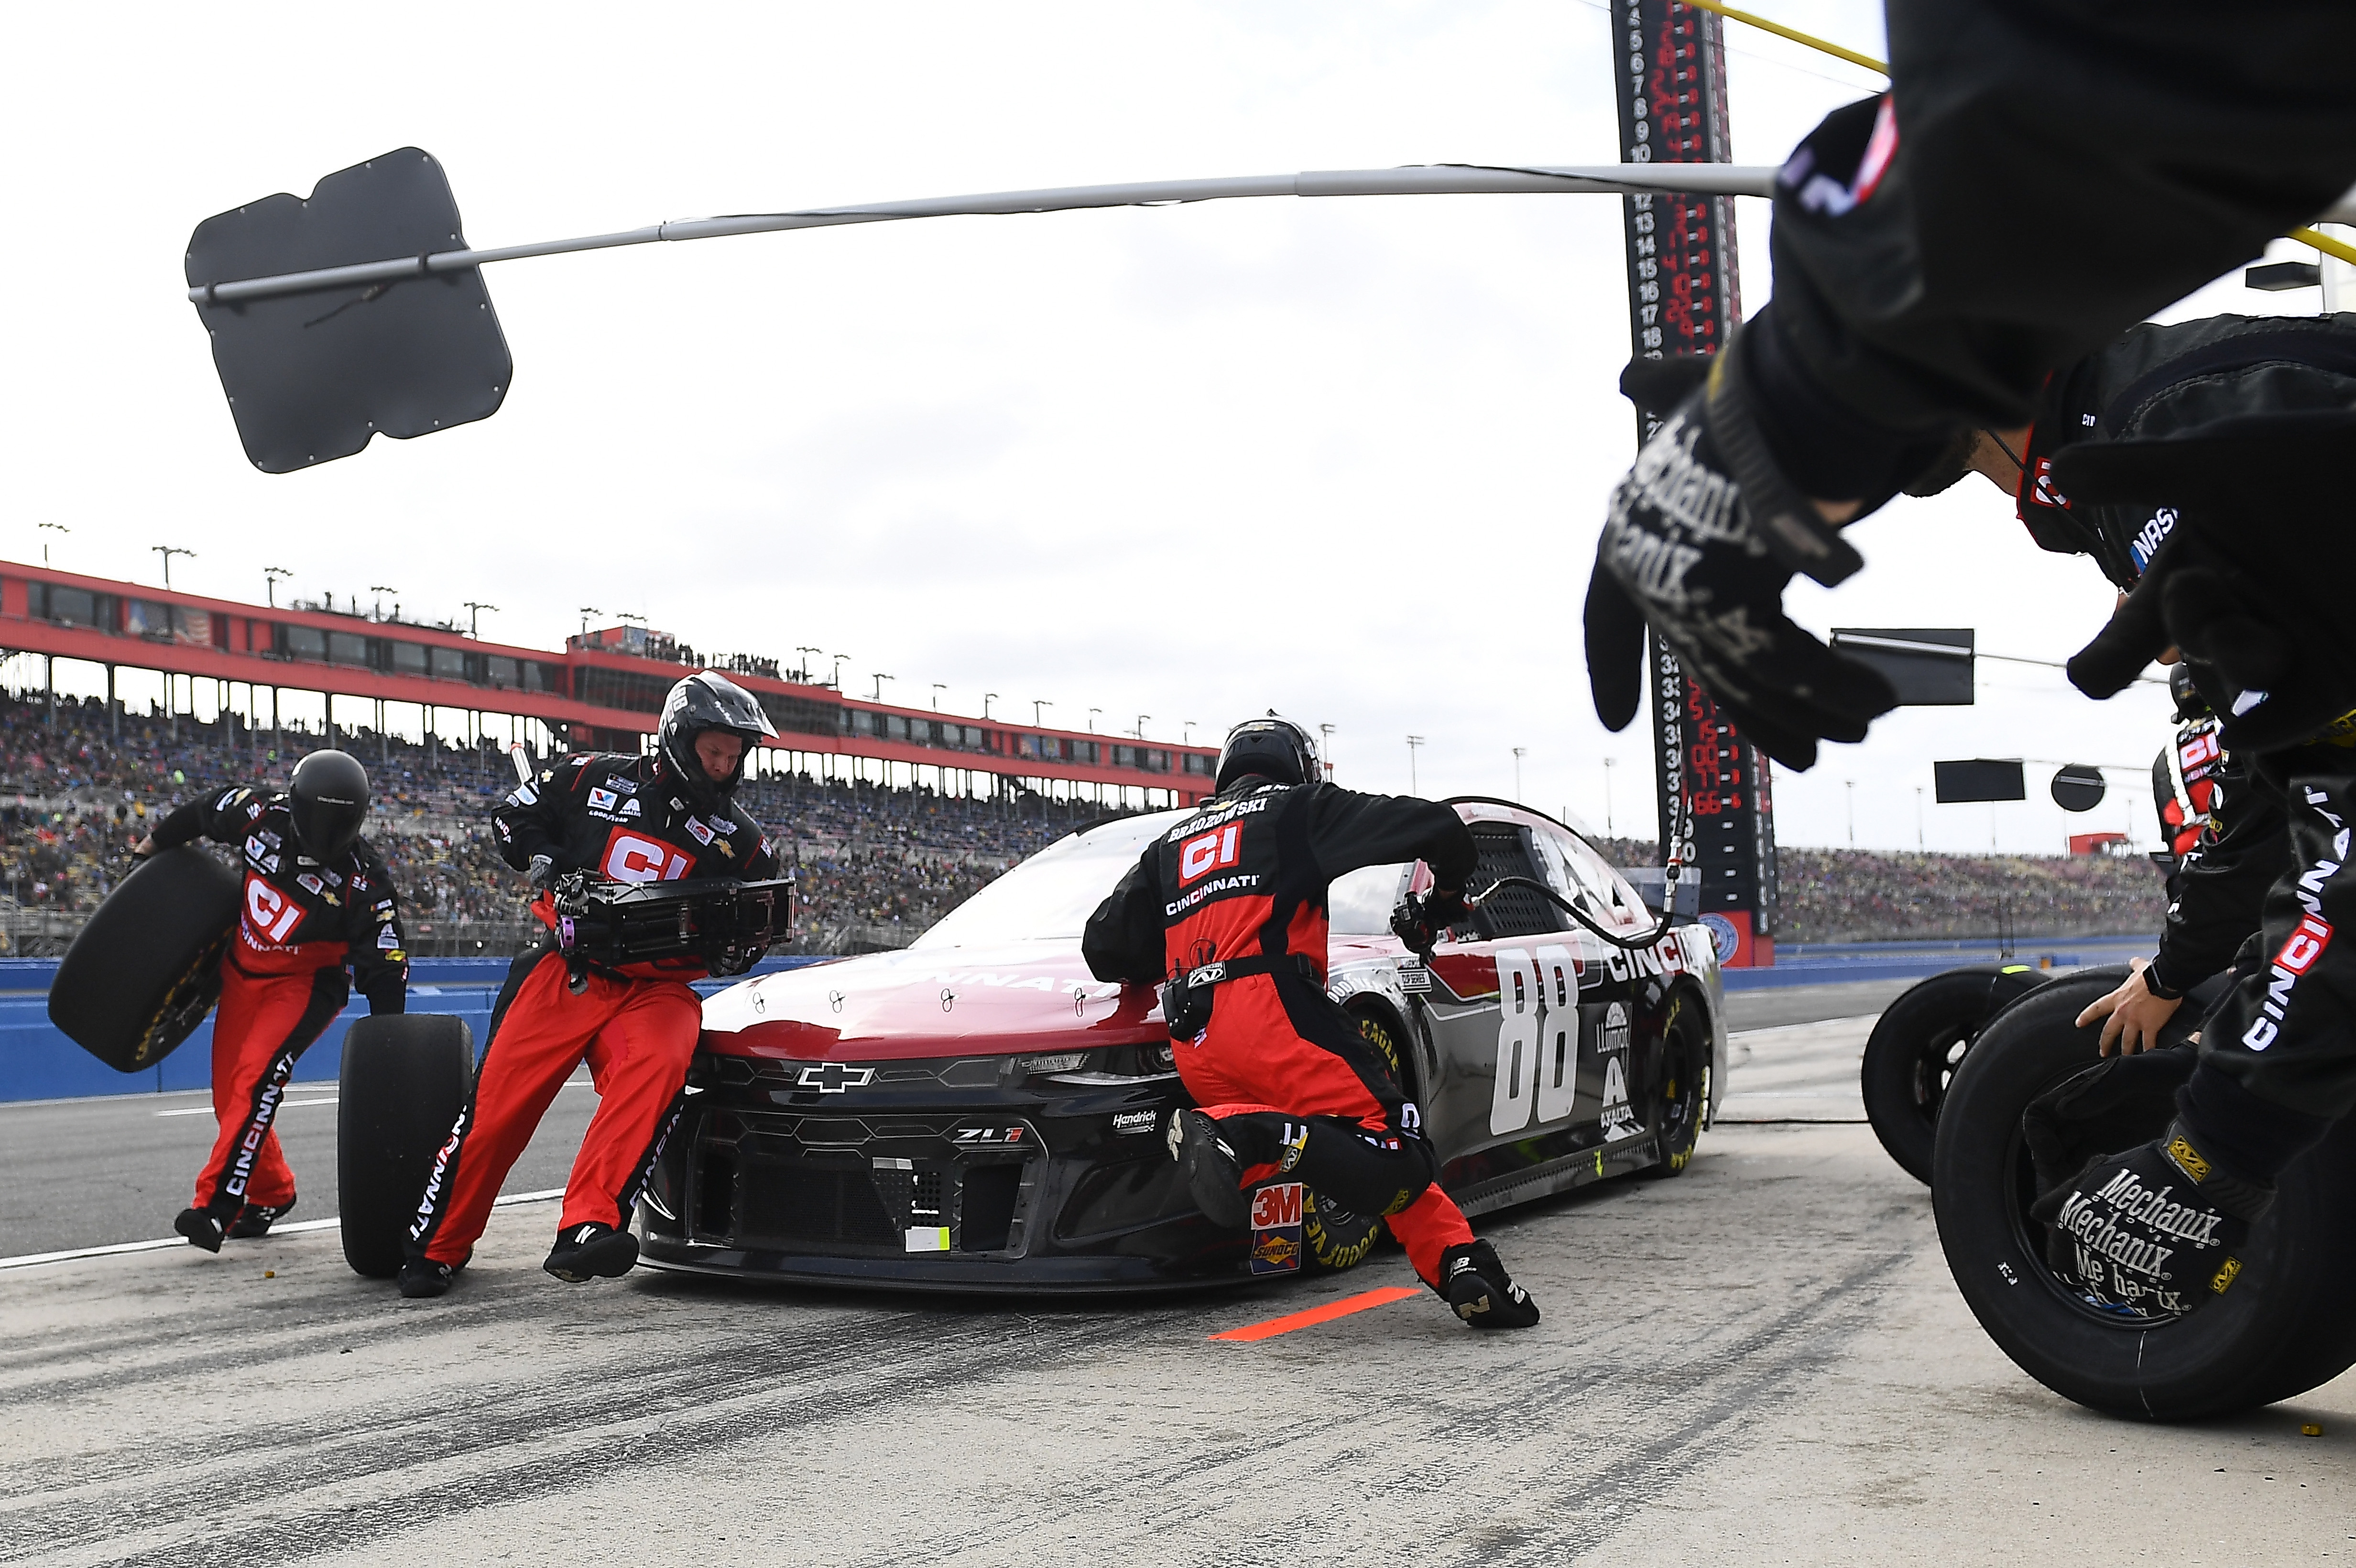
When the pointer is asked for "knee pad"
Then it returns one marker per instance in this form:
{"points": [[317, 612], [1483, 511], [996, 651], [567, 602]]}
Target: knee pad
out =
{"points": [[1368, 1173]]}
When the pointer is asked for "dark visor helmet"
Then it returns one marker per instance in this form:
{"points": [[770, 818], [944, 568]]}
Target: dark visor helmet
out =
{"points": [[701, 702], [328, 798], [1272, 748]]}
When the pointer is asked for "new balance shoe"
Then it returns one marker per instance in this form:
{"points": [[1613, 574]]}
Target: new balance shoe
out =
{"points": [[255, 1219], [422, 1277], [1481, 1292], [1212, 1172], [585, 1252], [201, 1226]]}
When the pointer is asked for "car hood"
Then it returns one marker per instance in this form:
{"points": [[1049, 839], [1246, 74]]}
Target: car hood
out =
{"points": [[924, 1002]]}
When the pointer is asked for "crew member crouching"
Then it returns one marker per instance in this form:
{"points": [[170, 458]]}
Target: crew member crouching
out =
{"points": [[626, 819], [317, 899], [1233, 901]]}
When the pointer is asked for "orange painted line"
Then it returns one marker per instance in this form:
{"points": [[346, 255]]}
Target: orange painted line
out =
{"points": [[1325, 1313]]}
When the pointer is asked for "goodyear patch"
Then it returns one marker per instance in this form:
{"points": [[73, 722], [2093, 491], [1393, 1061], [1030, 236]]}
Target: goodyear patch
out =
{"points": [[1276, 1228]]}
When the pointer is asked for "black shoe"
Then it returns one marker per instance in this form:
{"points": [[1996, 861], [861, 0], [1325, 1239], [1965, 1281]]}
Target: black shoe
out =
{"points": [[1212, 1172], [422, 1277], [584, 1253], [1481, 1292], [201, 1226], [255, 1219]]}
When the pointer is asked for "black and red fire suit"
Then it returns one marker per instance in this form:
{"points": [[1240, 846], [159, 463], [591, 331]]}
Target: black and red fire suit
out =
{"points": [[625, 819], [300, 925], [1242, 883]]}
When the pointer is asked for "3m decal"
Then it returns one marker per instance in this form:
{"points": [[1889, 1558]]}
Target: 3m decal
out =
{"points": [[1199, 857], [1276, 1221], [630, 858]]}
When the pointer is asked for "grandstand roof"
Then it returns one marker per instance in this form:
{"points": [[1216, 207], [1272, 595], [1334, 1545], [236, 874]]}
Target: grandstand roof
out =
{"points": [[594, 693]]}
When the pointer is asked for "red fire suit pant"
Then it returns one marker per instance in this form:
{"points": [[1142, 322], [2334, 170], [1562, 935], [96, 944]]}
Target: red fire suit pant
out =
{"points": [[636, 1037], [262, 1027], [1279, 1058]]}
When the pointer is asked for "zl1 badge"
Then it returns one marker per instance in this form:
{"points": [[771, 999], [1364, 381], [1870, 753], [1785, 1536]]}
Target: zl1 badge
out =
{"points": [[1276, 1228]]}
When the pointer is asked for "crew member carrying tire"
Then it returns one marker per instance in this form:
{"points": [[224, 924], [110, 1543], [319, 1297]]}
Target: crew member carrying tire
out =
{"points": [[621, 818], [1228, 907], [316, 900]]}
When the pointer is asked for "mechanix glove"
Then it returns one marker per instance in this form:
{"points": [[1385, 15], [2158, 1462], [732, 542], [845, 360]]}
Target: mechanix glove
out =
{"points": [[543, 872], [1422, 918], [1703, 534], [2105, 1108], [2154, 1232], [2251, 584]]}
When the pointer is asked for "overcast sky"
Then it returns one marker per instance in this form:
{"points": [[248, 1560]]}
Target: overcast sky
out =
{"points": [[1345, 458]]}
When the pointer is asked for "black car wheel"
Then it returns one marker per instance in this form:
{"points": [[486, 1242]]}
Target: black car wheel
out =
{"points": [[2282, 1329], [406, 1076], [145, 969], [1915, 1047], [1683, 1095]]}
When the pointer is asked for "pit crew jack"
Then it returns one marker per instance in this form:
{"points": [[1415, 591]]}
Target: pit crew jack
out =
{"points": [[300, 924], [626, 819], [1279, 1067]]}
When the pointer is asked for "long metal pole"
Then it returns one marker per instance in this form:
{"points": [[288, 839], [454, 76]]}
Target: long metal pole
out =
{"points": [[1421, 179]]}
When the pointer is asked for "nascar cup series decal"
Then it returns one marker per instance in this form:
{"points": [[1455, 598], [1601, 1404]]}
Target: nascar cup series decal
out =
{"points": [[1276, 1228]]}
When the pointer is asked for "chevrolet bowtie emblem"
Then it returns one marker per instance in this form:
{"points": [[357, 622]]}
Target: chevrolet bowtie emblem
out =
{"points": [[834, 1077]]}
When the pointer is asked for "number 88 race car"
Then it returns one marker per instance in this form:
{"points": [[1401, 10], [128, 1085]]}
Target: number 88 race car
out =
{"points": [[976, 1113]]}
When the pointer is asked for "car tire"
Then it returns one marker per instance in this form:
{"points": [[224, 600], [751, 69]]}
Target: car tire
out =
{"points": [[145, 969], [1681, 1098], [406, 1076], [1912, 1054], [2282, 1329]]}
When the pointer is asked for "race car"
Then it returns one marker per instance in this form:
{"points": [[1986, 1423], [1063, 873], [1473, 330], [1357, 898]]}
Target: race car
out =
{"points": [[977, 1113]]}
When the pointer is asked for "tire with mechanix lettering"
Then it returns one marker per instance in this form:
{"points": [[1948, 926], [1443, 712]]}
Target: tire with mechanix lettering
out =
{"points": [[1333, 1238], [405, 1078], [145, 969], [1917, 1043], [2282, 1327]]}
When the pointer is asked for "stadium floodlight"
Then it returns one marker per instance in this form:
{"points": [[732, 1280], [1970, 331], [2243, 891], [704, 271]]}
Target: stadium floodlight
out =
{"points": [[361, 310], [1140, 724], [376, 607], [1092, 719], [987, 699], [938, 686], [474, 608], [167, 552], [270, 576], [59, 527], [880, 679], [1038, 706], [806, 651], [835, 679], [1414, 744]]}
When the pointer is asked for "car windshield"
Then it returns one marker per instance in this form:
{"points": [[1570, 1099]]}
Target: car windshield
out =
{"points": [[1360, 903], [1052, 893]]}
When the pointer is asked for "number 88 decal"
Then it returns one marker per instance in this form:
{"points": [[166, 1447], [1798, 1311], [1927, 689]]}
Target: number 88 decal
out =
{"points": [[1538, 1038]]}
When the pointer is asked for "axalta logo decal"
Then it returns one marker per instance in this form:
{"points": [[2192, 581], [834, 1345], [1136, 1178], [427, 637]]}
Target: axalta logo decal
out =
{"points": [[1276, 1216]]}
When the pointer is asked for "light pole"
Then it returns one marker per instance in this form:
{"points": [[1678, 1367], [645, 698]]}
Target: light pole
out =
{"points": [[987, 699], [880, 679], [376, 607], [474, 608], [270, 576], [167, 552], [938, 686], [59, 527], [1140, 724], [835, 680], [1325, 749], [803, 674], [587, 611], [1519, 753], [1920, 844], [1092, 719], [1038, 705], [1413, 744], [1609, 764], [1850, 785]]}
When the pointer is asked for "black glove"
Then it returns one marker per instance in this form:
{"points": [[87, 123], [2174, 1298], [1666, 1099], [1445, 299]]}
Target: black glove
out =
{"points": [[2248, 584], [2107, 1106], [1422, 918], [1702, 537], [543, 872], [2155, 1232]]}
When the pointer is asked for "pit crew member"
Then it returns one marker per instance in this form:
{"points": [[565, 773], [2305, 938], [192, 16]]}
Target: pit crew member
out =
{"points": [[621, 818], [2167, 144], [317, 901], [1229, 908]]}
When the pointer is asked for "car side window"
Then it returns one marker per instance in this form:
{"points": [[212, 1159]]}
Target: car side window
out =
{"points": [[1359, 903], [1582, 876]]}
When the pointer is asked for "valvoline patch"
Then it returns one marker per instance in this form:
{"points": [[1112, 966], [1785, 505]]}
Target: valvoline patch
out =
{"points": [[1276, 1228]]}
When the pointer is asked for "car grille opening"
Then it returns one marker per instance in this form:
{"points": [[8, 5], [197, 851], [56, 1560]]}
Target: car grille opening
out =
{"points": [[782, 1206], [988, 1208]]}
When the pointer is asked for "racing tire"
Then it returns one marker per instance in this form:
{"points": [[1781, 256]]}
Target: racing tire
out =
{"points": [[1913, 1053], [1333, 1238], [2283, 1330], [145, 969], [1682, 1100], [406, 1077]]}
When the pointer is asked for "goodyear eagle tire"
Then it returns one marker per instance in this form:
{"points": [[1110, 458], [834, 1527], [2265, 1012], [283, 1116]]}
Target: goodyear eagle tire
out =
{"points": [[406, 1076], [1333, 1238], [1915, 1047], [145, 970], [2280, 1331], [1681, 1096]]}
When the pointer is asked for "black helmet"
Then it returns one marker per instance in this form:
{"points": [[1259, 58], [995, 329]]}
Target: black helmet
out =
{"points": [[2189, 703], [707, 702], [1271, 748], [328, 796]]}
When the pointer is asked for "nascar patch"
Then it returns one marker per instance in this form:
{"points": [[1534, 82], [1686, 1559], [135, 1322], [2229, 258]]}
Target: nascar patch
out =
{"points": [[1276, 1228]]}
